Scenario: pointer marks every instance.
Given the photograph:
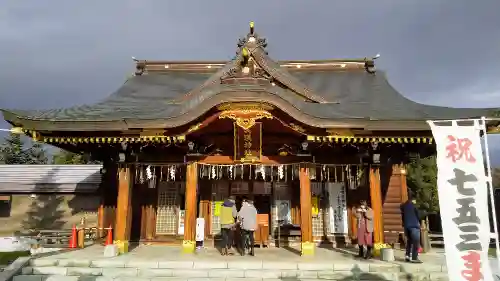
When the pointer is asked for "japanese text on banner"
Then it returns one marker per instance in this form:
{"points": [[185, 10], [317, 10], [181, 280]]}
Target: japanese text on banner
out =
{"points": [[463, 201]]}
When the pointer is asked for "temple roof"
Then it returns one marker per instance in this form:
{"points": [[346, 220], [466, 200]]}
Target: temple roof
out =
{"points": [[327, 93]]}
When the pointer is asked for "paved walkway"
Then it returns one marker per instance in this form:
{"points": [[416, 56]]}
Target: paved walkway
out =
{"points": [[173, 253], [169, 253]]}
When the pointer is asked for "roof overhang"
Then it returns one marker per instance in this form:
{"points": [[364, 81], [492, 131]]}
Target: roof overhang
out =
{"points": [[203, 107]]}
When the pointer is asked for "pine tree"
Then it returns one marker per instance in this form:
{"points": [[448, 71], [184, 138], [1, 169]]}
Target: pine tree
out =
{"points": [[37, 154], [422, 181], [66, 157], [13, 152]]}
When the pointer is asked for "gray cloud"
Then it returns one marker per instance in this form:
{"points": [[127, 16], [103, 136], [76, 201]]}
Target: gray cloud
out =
{"points": [[58, 53]]}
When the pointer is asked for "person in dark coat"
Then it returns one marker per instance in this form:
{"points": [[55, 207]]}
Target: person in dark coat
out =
{"points": [[411, 223]]}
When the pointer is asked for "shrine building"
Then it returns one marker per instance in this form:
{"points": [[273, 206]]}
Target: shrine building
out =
{"points": [[306, 140]]}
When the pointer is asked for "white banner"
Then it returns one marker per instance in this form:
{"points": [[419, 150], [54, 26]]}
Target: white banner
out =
{"points": [[200, 229], [463, 201], [180, 227], [338, 208]]}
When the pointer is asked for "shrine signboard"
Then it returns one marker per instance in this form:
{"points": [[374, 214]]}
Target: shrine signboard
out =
{"points": [[338, 208], [463, 200], [248, 143]]}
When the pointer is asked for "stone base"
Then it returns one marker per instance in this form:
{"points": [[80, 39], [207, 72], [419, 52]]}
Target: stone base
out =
{"points": [[111, 251], [122, 246], [307, 248], [188, 246]]}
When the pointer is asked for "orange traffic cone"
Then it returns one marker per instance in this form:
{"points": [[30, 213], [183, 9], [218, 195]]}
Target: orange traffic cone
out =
{"points": [[109, 239], [73, 241]]}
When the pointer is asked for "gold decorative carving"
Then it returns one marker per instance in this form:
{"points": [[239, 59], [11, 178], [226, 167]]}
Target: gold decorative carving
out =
{"points": [[340, 132], [243, 106], [194, 128], [245, 114], [296, 127], [149, 133]]}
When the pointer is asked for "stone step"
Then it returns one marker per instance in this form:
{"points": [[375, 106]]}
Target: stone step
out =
{"points": [[138, 270], [102, 278], [203, 273], [240, 265], [338, 277]]}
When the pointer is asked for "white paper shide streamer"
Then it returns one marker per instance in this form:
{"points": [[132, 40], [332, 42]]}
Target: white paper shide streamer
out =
{"points": [[463, 200]]}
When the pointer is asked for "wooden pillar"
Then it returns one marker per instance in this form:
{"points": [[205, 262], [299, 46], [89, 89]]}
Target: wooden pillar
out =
{"points": [[353, 225], [307, 245], [404, 186], [189, 243], [100, 220], [205, 206], [123, 209], [376, 205], [148, 212], [108, 191]]}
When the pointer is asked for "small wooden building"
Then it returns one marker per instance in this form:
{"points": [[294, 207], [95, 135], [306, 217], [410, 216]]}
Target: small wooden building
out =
{"points": [[305, 139]]}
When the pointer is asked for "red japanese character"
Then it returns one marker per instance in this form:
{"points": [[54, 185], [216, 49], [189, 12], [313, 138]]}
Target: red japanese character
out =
{"points": [[473, 266], [459, 148]]}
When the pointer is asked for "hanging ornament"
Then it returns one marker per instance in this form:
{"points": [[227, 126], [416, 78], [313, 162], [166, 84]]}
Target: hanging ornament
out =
{"points": [[172, 173], [281, 173], [152, 182], [272, 173], [286, 173], [141, 176], [149, 175], [213, 172], [230, 170], [136, 178], [263, 172], [312, 172]]}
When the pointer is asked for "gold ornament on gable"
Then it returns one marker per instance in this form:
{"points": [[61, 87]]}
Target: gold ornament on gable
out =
{"points": [[246, 114]]}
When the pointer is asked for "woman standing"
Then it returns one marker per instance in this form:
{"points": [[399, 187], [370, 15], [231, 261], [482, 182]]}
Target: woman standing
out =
{"points": [[364, 216]]}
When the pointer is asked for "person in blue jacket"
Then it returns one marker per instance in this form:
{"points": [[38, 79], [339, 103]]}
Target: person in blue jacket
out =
{"points": [[411, 223]]}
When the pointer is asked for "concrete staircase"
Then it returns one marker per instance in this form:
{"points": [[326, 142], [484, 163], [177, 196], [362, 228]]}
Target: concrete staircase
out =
{"points": [[243, 270]]}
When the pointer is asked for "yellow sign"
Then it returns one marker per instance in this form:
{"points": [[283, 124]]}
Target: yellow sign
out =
{"points": [[315, 205], [218, 207]]}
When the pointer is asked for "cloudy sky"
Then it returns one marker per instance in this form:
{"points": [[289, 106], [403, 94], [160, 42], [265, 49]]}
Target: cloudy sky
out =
{"points": [[58, 53]]}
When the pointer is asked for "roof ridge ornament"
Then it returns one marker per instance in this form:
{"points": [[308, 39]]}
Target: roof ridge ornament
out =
{"points": [[370, 64], [251, 41]]}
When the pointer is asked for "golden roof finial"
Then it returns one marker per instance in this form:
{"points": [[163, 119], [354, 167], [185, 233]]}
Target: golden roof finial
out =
{"points": [[252, 24], [244, 52]]}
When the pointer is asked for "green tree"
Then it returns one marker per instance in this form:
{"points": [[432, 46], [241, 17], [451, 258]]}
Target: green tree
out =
{"points": [[37, 154], [422, 181], [67, 157], [12, 151]]}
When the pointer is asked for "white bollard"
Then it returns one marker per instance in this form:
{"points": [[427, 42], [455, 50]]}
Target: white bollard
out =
{"points": [[387, 254]]}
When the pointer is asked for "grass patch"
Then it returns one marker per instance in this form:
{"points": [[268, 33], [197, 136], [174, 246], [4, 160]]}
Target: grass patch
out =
{"points": [[8, 257]]}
